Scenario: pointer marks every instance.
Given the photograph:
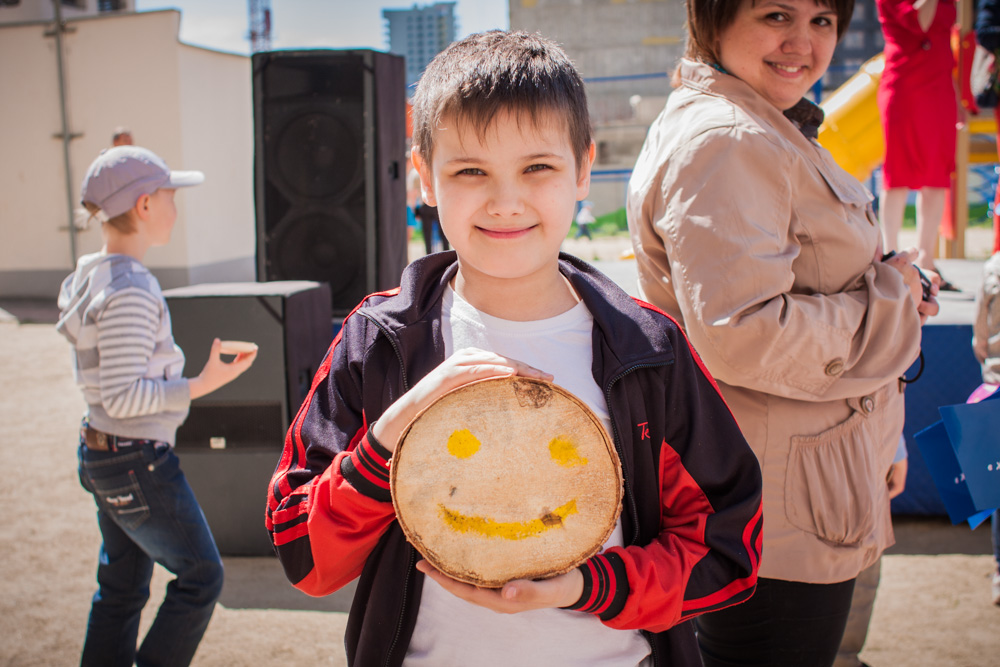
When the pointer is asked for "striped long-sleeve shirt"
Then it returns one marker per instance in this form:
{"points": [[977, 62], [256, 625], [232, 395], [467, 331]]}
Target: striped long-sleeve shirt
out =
{"points": [[125, 359]]}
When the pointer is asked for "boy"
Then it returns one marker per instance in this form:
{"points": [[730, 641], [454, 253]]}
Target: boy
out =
{"points": [[129, 370], [503, 147]]}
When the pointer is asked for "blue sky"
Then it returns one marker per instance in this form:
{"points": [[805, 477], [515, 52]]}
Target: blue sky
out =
{"points": [[222, 24]]}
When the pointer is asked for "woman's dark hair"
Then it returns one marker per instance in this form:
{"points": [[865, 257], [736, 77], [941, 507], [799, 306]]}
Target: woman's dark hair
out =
{"points": [[707, 19], [485, 74]]}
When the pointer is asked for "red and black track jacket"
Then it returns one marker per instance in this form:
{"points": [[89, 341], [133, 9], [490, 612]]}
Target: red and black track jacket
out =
{"points": [[692, 508]]}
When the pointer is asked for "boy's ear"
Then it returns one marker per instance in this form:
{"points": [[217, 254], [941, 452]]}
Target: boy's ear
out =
{"points": [[583, 181], [426, 181], [141, 208]]}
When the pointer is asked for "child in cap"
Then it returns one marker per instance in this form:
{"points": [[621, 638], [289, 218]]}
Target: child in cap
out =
{"points": [[129, 369], [503, 147]]}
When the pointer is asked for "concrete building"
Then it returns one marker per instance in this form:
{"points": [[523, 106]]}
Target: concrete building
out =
{"points": [[625, 50], [190, 105], [861, 42], [419, 34]]}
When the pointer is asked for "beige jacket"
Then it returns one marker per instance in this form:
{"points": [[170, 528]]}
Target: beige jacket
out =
{"points": [[754, 239]]}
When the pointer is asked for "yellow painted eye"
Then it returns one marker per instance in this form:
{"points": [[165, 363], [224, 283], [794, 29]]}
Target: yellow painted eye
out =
{"points": [[462, 444], [564, 452]]}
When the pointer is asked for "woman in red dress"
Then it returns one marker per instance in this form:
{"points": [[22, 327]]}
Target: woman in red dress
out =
{"points": [[919, 109]]}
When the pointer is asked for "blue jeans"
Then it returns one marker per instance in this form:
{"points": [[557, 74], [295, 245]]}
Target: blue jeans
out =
{"points": [[147, 513]]}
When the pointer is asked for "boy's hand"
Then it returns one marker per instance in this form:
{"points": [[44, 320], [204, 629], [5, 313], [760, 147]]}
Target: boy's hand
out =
{"points": [[515, 596], [461, 368], [217, 373]]}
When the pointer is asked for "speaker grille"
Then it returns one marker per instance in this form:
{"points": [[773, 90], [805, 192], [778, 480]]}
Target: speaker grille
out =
{"points": [[243, 426], [329, 130]]}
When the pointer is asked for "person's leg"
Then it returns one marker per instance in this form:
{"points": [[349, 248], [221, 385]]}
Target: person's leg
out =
{"points": [[178, 538], [427, 229], [123, 575], [930, 208], [860, 616], [444, 239], [784, 624], [891, 208], [995, 521]]}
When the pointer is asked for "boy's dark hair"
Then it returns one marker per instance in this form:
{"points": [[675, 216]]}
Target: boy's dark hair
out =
{"points": [[493, 72], [707, 19]]}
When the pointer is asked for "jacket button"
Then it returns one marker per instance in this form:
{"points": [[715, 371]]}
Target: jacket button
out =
{"points": [[868, 404], [835, 367]]}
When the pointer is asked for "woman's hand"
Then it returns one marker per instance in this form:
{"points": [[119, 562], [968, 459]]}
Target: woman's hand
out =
{"points": [[515, 596], [461, 368], [903, 262]]}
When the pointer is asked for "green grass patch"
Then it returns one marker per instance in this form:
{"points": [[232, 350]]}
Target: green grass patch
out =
{"points": [[978, 216]]}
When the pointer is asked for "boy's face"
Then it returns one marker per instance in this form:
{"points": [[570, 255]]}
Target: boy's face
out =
{"points": [[505, 200]]}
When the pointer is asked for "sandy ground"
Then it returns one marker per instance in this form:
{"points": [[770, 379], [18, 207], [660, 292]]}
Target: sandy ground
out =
{"points": [[933, 606]]}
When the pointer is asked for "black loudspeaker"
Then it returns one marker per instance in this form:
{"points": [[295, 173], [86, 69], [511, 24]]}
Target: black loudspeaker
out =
{"points": [[329, 178], [232, 438]]}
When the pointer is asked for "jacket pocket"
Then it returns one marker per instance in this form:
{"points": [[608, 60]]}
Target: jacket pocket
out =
{"points": [[828, 482], [121, 498]]}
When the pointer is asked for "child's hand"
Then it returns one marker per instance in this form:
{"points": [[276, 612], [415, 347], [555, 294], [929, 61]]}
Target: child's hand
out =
{"points": [[515, 596], [459, 369], [217, 373]]}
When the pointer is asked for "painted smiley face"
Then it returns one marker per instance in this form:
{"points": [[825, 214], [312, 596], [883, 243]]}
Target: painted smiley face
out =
{"points": [[463, 444], [506, 478]]}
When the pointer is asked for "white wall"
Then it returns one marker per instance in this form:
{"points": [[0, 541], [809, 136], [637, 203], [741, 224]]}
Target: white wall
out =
{"points": [[191, 106]]}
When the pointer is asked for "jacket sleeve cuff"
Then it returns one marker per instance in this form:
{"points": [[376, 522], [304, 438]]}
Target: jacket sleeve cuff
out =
{"points": [[605, 586], [366, 468]]}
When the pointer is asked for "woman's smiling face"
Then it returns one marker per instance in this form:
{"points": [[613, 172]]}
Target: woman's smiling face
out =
{"points": [[779, 47]]}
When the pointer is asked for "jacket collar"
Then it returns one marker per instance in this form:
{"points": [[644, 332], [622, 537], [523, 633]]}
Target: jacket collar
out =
{"points": [[805, 116], [633, 333]]}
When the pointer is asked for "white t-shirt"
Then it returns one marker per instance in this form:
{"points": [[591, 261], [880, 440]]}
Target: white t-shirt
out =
{"points": [[450, 631]]}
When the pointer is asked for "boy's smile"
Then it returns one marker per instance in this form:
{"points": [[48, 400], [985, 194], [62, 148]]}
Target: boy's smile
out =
{"points": [[506, 200]]}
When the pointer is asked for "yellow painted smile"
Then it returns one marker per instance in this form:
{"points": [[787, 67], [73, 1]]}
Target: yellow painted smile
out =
{"points": [[508, 530]]}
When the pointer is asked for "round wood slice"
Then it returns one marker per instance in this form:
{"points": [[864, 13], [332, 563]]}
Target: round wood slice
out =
{"points": [[508, 478]]}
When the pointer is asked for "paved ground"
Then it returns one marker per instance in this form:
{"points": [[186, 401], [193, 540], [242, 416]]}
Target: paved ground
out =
{"points": [[933, 605]]}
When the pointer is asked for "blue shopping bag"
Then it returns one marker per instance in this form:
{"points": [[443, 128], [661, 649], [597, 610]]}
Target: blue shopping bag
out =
{"points": [[963, 456]]}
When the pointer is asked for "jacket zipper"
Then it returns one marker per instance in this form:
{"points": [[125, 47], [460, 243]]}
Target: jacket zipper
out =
{"points": [[628, 487], [395, 348], [412, 560], [402, 608], [617, 440]]}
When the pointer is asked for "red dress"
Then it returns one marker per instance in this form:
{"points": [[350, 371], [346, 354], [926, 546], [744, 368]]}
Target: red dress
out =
{"points": [[916, 97]]}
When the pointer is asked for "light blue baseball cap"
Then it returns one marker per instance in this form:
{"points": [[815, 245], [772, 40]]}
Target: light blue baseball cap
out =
{"points": [[120, 175]]}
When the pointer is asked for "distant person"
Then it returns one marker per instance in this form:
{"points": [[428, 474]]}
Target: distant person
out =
{"points": [[129, 369], [986, 346], [121, 137], [503, 146], [918, 105], [584, 219], [430, 225]]}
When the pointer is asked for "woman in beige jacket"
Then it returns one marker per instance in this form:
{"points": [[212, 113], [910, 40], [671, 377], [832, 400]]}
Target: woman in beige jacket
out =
{"points": [[748, 233]]}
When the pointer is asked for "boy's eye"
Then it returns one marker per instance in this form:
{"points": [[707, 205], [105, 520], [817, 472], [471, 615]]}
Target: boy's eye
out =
{"points": [[537, 167], [471, 171]]}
